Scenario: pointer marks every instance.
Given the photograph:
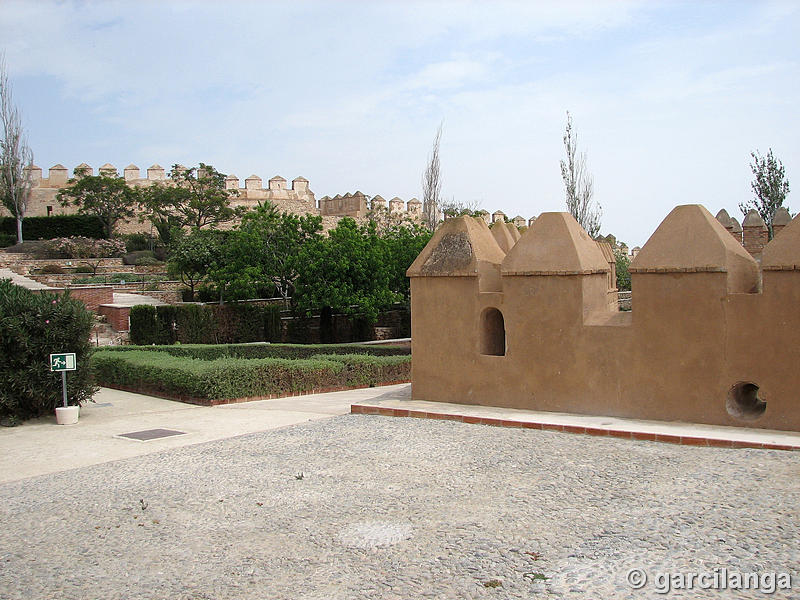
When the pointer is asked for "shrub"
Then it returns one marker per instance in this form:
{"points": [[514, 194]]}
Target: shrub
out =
{"points": [[135, 242], [144, 325], [210, 381], [147, 261], [32, 326], [46, 228], [362, 369], [287, 351], [81, 247], [83, 269], [7, 239], [195, 324], [131, 257], [192, 324], [118, 278], [51, 270]]}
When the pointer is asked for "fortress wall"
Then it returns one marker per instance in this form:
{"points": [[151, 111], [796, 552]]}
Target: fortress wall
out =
{"points": [[703, 329]]}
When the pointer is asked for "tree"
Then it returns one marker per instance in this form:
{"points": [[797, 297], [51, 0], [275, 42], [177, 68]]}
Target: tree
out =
{"points": [[432, 184], [193, 255], [348, 271], [769, 185], [453, 208], [197, 198], [107, 197], [16, 157], [264, 249], [403, 244], [579, 184], [623, 270]]}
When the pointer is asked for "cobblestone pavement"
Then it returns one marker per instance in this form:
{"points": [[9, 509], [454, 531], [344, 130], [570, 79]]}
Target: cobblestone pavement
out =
{"points": [[375, 507]]}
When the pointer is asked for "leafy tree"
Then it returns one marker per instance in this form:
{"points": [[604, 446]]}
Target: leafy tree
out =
{"points": [[623, 272], [272, 242], [348, 271], [16, 157], [769, 185], [108, 198], [579, 184], [196, 198], [403, 244], [193, 255]]}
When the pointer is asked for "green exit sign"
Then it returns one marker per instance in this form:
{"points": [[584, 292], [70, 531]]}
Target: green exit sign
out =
{"points": [[63, 362]]}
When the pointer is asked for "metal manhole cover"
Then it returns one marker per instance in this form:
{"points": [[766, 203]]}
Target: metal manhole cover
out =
{"points": [[150, 434], [373, 534]]}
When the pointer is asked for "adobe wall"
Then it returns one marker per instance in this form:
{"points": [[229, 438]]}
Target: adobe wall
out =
{"points": [[704, 321]]}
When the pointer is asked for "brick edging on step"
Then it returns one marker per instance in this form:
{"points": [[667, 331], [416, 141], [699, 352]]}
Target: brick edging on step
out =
{"points": [[367, 409]]}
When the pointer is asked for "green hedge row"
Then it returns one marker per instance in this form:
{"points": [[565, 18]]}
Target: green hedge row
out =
{"points": [[214, 381], [287, 351], [204, 324], [55, 226]]}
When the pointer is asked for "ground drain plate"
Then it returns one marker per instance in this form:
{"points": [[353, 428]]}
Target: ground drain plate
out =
{"points": [[150, 434]]}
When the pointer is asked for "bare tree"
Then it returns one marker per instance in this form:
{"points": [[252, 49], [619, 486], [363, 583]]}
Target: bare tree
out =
{"points": [[16, 157], [579, 184], [432, 184], [459, 208]]}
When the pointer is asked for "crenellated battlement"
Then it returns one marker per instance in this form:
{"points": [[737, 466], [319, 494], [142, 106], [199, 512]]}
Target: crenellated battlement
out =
{"points": [[712, 337], [253, 188], [359, 204]]}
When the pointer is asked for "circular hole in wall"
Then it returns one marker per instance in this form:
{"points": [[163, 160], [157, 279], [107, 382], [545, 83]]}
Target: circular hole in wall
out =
{"points": [[743, 401]]}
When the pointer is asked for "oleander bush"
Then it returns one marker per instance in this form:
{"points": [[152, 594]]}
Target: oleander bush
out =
{"points": [[32, 326], [213, 381], [81, 247]]}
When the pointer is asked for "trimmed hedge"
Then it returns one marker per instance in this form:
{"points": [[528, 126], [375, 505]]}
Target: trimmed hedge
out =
{"points": [[193, 324], [287, 351], [213, 381], [55, 226]]}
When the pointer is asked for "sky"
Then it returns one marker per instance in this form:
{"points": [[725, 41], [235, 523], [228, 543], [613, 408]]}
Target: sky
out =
{"points": [[668, 98]]}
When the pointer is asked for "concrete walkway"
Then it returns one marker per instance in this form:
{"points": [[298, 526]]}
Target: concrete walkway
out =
{"points": [[22, 281], [398, 403], [95, 439]]}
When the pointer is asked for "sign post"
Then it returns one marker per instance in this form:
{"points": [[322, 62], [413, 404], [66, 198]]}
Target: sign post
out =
{"points": [[63, 362]]}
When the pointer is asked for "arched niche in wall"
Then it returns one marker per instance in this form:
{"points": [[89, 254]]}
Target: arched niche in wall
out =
{"points": [[493, 333]]}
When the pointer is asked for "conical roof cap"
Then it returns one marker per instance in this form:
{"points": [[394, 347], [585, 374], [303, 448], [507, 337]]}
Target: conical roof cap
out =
{"points": [[555, 245], [460, 247]]}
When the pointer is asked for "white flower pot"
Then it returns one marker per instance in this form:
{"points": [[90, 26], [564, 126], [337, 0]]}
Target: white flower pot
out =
{"points": [[67, 415]]}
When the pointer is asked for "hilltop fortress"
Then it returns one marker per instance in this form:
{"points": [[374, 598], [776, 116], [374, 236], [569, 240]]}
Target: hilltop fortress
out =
{"points": [[297, 198]]}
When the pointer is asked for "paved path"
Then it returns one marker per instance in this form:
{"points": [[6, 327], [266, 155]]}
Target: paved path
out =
{"points": [[95, 438], [398, 403], [387, 508], [22, 281]]}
